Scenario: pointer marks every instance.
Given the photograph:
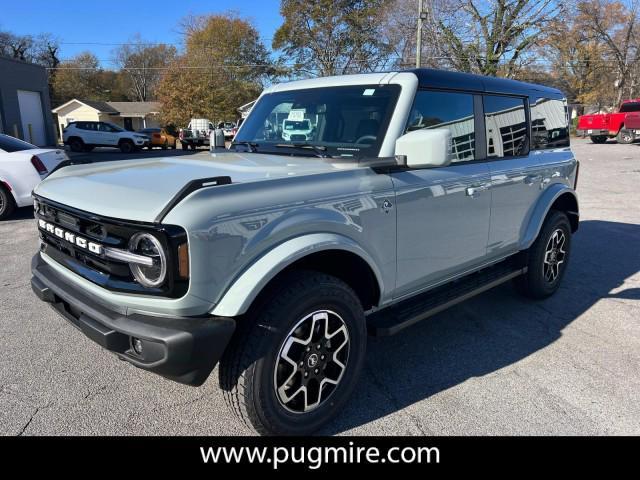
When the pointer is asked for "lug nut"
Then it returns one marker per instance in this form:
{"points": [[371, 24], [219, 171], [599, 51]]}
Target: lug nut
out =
{"points": [[318, 347], [306, 374], [316, 371], [322, 357]]}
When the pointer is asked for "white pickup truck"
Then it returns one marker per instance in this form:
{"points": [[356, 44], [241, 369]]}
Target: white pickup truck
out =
{"points": [[196, 134]]}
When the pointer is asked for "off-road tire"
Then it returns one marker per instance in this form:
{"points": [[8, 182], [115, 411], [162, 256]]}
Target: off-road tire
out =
{"points": [[533, 284], [599, 138], [7, 204], [249, 362]]}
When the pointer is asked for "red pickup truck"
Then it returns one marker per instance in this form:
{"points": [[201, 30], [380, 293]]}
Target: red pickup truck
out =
{"points": [[632, 122], [601, 126]]}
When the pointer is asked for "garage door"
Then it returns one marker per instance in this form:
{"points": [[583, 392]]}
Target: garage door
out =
{"points": [[32, 117]]}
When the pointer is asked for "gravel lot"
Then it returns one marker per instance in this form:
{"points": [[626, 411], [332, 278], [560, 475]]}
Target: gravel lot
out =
{"points": [[496, 364]]}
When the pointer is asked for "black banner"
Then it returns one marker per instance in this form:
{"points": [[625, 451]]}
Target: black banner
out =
{"points": [[141, 455]]}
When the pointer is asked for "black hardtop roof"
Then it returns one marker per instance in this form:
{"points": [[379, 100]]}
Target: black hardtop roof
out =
{"points": [[430, 78]]}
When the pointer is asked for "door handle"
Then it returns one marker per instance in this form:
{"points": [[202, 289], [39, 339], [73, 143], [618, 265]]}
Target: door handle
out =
{"points": [[475, 189]]}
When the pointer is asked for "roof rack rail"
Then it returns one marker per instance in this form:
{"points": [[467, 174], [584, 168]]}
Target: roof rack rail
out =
{"points": [[189, 188]]}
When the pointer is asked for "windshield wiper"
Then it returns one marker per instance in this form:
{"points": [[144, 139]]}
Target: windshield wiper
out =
{"points": [[319, 150], [252, 146]]}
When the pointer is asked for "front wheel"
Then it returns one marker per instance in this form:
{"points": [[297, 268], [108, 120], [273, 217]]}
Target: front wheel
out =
{"points": [[184, 146], [625, 137], [127, 146], [547, 258], [295, 358], [598, 138]]}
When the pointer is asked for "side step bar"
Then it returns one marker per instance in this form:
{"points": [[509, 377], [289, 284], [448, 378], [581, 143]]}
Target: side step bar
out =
{"points": [[391, 320]]}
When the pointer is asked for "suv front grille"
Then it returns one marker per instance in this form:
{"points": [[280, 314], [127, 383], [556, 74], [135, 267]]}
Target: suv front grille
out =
{"points": [[108, 273]]}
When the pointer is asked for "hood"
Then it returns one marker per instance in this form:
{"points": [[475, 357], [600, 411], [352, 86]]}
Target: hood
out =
{"points": [[138, 190]]}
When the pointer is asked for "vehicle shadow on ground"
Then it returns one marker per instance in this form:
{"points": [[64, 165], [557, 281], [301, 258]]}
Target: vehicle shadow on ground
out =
{"points": [[491, 331]]}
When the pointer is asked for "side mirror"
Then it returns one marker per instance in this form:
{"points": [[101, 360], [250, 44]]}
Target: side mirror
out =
{"points": [[216, 140], [425, 148]]}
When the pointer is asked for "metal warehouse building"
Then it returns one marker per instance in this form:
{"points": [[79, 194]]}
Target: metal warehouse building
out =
{"points": [[25, 109]]}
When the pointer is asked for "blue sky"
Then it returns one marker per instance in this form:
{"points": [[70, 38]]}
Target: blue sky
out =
{"points": [[91, 25]]}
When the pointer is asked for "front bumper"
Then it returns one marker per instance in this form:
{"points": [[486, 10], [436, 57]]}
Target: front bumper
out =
{"points": [[183, 349]]}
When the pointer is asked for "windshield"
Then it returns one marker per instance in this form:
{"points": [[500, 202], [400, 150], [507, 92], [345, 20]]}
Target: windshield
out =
{"points": [[115, 128], [348, 121], [294, 125]]}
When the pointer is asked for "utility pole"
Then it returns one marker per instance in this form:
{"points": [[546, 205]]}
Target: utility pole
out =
{"points": [[419, 37], [422, 16]]}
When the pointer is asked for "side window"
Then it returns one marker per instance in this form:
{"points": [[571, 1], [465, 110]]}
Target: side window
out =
{"points": [[549, 124], [506, 126], [453, 111]]}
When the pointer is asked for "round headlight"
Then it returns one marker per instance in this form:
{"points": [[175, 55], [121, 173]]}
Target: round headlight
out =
{"points": [[149, 246]]}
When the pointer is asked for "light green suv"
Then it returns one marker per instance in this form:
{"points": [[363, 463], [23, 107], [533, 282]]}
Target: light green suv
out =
{"points": [[275, 258]]}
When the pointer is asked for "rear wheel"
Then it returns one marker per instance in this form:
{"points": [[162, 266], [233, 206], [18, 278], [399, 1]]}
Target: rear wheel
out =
{"points": [[547, 258], [76, 145], [598, 138], [295, 358], [127, 146], [625, 136], [184, 146], [7, 204], [165, 145]]}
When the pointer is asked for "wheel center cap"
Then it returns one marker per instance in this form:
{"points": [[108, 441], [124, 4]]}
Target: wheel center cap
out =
{"points": [[312, 361]]}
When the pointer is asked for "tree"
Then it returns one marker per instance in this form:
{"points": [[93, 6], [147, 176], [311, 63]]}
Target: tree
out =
{"points": [[333, 37], [143, 65], [615, 24], [82, 77], [223, 67], [577, 62]]}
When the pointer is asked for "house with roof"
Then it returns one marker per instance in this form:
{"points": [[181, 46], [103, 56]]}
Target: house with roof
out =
{"points": [[128, 115]]}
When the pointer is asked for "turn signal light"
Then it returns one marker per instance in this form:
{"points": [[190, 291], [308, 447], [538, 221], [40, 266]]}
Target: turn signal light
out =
{"points": [[183, 261]]}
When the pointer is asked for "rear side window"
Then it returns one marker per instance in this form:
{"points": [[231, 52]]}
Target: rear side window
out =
{"points": [[12, 144], [630, 107], [549, 124], [506, 126], [453, 111]]}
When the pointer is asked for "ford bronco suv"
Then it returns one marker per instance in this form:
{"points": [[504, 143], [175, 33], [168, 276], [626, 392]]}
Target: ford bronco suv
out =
{"points": [[274, 258]]}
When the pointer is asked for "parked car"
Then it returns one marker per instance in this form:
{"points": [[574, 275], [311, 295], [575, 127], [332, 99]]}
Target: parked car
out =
{"points": [[159, 137], [229, 129], [297, 130], [275, 258], [22, 167], [85, 136], [196, 134], [602, 126]]}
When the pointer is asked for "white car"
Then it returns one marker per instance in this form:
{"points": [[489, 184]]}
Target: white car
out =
{"points": [[297, 130], [22, 167], [85, 136]]}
